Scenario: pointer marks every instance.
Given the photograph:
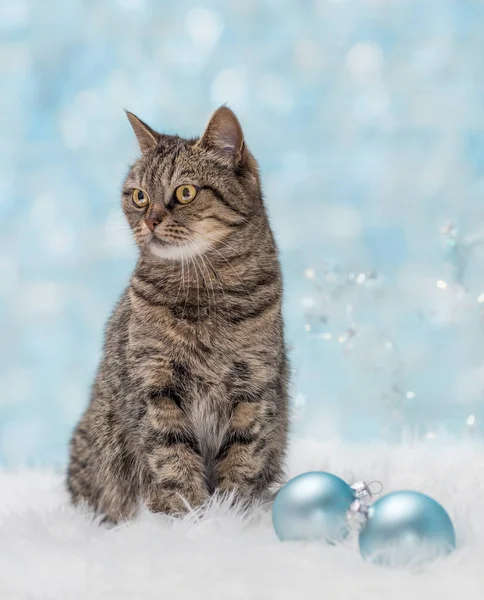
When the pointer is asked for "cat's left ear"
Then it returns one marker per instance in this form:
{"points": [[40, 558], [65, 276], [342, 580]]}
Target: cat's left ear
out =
{"points": [[224, 133], [147, 138]]}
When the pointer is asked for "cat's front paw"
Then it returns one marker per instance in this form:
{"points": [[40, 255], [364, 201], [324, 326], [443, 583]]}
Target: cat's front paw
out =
{"points": [[175, 503]]}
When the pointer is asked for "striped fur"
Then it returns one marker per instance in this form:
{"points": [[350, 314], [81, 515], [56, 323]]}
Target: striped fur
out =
{"points": [[191, 392]]}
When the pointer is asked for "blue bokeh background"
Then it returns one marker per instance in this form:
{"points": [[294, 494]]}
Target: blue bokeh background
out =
{"points": [[367, 117]]}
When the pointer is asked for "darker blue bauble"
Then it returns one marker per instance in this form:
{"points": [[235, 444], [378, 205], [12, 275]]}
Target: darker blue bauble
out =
{"points": [[405, 528]]}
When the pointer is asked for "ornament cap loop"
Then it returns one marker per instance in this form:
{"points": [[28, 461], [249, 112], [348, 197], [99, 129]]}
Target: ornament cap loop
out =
{"points": [[358, 511], [375, 487]]}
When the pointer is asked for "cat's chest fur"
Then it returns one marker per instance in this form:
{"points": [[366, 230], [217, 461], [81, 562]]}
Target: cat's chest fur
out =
{"points": [[209, 417], [212, 391], [202, 376]]}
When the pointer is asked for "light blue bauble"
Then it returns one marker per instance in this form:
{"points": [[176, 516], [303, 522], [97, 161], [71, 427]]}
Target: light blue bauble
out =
{"points": [[312, 506], [405, 528]]}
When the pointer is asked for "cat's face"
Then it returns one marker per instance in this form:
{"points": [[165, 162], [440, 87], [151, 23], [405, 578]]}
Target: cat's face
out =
{"points": [[187, 197]]}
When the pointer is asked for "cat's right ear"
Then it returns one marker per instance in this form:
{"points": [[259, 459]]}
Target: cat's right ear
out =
{"points": [[147, 138], [224, 134]]}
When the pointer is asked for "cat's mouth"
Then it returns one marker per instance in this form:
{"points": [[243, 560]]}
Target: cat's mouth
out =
{"points": [[165, 240], [159, 242]]}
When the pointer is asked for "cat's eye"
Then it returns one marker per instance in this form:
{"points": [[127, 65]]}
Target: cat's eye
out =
{"points": [[185, 193], [140, 198]]}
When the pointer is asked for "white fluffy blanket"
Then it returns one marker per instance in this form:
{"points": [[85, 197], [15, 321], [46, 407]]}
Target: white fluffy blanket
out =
{"points": [[50, 551]]}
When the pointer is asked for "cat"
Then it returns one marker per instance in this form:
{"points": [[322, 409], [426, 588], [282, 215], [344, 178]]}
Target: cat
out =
{"points": [[191, 393]]}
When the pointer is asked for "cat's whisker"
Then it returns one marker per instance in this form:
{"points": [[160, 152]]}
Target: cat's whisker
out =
{"points": [[211, 284], [198, 286], [182, 279], [219, 241], [222, 243], [235, 272], [203, 257], [183, 269], [211, 238], [217, 278], [187, 287], [251, 223], [120, 227], [204, 280], [202, 274]]}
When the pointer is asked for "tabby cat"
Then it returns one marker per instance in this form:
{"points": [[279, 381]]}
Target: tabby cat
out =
{"points": [[191, 392]]}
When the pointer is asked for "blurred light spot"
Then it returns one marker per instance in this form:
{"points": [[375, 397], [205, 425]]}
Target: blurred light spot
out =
{"points": [[364, 61], [230, 86], [6, 182], [432, 57], [299, 406], [60, 240], [371, 104], [410, 395], [441, 284], [361, 278], [275, 94], [15, 60], [77, 120], [309, 273], [480, 298], [327, 336], [74, 132], [430, 435], [42, 299], [18, 385], [308, 302], [322, 5], [43, 210], [21, 440], [119, 88], [14, 13], [9, 274], [118, 238], [448, 229], [294, 168], [469, 384], [341, 222], [307, 327], [307, 55], [130, 5], [471, 421], [204, 26]]}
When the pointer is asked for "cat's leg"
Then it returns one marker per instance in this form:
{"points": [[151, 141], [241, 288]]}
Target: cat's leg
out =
{"points": [[175, 478], [80, 480], [250, 460], [98, 477]]}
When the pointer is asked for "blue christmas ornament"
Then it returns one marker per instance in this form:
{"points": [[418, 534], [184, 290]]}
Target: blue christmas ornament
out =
{"points": [[406, 528], [313, 506]]}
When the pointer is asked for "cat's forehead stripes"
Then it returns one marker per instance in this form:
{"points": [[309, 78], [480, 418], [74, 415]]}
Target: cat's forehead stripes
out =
{"points": [[159, 172]]}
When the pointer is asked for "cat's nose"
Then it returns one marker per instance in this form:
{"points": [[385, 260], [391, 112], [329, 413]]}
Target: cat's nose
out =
{"points": [[152, 222]]}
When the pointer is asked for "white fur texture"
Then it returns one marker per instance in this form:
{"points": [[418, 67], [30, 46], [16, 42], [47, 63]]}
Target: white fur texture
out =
{"points": [[50, 551], [184, 251]]}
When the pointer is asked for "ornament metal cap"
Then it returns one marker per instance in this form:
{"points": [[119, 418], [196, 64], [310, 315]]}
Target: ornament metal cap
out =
{"points": [[358, 511]]}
